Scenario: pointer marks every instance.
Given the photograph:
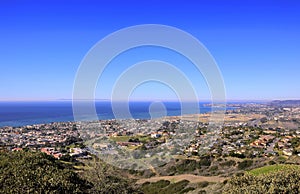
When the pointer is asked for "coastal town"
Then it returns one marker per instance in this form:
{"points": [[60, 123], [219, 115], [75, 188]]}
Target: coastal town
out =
{"points": [[249, 131], [47, 138]]}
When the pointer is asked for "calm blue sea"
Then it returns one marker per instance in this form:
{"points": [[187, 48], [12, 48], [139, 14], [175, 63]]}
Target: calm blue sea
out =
{"points": [[28, 113]]}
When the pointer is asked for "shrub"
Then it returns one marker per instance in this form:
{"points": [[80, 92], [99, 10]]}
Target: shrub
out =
{"points": [[164, 186], [187, 166], [203, 184], [155, 187], [283, 181], [281, 159], [106, 179], [36, 172], [245, 164], [213, 168], [175, 187], [271, 162], [161, 183], [205, 161], [228, 163], [186, 190]]}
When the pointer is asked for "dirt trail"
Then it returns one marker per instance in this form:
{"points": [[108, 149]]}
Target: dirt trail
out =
{"points": [[189, 177], [153, 170]]}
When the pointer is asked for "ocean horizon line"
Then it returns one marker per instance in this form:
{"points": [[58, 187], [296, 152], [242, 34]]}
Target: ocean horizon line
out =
{"points": [[142, 100]]}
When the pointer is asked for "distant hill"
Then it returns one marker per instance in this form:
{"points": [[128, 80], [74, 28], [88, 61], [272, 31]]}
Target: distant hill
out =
{"points": [[285, 103]]}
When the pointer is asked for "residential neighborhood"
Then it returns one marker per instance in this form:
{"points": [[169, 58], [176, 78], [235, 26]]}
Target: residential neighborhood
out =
{"points": [[244, 134]]}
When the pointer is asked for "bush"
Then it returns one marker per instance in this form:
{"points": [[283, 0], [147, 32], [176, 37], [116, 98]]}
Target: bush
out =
{"points": [[36, 172], [245, 164], [106, 179], [161, 183], [281, 159], [228, 163], [213, 168], [155, 187], [187, 166], [283, 181], [205, 161], [164, 186], [271, 162], [175, 187], [236, 155], [186, 190], [203, 184]]}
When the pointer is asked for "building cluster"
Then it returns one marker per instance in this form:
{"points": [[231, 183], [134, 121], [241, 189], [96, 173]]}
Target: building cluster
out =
{"points": [[48, 138], [252, 131], [250, 142]]}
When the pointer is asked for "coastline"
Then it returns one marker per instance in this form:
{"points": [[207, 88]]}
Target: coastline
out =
{"points": [[18, 114]]}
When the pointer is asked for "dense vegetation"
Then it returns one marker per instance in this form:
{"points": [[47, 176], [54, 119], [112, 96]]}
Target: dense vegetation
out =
{"points": [[273, 168], [29, 172], [36, 172], [164, 186], [275, 179], [106, 179]]}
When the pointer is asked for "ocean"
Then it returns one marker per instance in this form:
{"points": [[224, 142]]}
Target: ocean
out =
{"points": [[29, 113]]}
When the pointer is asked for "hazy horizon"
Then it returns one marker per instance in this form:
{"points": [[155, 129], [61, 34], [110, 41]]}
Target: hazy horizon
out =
{"points": [[144, 100]]}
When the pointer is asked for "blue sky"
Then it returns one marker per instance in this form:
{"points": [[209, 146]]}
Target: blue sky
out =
{"points": [[255, 44]]}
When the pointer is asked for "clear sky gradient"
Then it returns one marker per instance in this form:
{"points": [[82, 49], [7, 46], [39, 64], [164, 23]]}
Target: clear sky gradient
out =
{"points": [[256, 45]]}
